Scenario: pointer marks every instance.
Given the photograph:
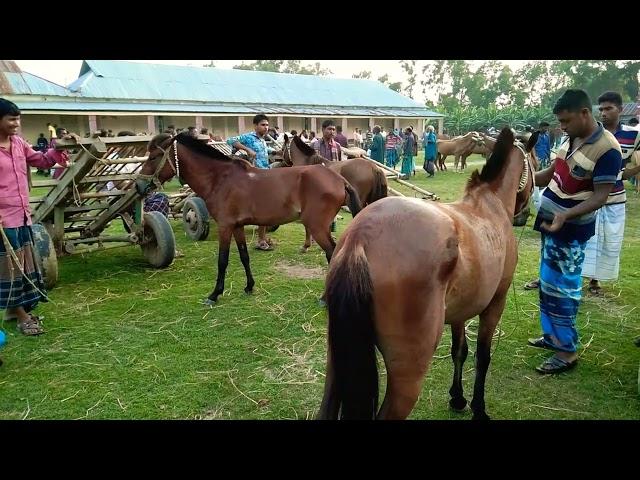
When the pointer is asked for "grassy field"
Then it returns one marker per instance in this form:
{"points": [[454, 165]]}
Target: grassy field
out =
{"points": [[125, 341]]}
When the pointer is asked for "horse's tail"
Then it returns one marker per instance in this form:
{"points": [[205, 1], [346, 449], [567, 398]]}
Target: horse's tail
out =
{"points": [[351, 339], [379, 189], [352, 200]]}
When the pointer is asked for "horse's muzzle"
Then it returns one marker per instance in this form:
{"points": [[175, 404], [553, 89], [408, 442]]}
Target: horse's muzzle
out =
{"points": [[143, 186], [520, 220]]}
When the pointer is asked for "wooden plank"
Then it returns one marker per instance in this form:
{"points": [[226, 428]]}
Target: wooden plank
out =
{"points": [[110, 193], [83, 163], [87, 208], [107, 178], [45, 183]]}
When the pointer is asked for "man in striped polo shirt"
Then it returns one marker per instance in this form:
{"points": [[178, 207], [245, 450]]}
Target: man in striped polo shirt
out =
{"points": [[579, 181], [602, 254]]}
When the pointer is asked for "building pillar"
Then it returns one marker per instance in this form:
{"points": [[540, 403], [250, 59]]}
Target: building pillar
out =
{"points": [[151, 124], [93, 124], [240, 125], [198, 123], [372, 122], [314, 126], [280, 122], [226, 127], [345, 126], [440, 125], [396, 123]]}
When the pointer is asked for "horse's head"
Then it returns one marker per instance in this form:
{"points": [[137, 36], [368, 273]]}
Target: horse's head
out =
{"points": [[158, 168], [525, 188]]}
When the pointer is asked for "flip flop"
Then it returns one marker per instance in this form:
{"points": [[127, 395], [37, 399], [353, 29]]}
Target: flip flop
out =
{"points": [[595, 290], [532, 285], [553, 365]]}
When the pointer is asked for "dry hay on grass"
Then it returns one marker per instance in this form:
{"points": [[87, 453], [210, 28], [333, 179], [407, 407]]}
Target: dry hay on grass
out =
{"points": [[296, 270]]}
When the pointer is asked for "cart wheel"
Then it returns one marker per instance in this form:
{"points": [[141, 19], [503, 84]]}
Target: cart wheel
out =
{"points": [[158, 243], [195, 218], [45, 255]]}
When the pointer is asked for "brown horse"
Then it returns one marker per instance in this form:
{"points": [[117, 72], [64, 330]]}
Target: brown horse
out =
{"points": [[367, 179], [401, 306], [238, 194], [460, 147]]}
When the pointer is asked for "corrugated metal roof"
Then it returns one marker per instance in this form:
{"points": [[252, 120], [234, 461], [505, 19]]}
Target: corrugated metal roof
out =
{"points": [[24, 83], [23, 104], [143, 81]]}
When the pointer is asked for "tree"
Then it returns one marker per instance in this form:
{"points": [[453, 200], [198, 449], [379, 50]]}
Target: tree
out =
{"points": [[409, 66], [279, 66], [210, 64], [395, 86], [366, 74], [262, 65]]}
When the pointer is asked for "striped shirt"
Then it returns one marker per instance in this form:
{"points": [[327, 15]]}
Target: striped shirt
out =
{"points": [[597, 161], [629, 140]]}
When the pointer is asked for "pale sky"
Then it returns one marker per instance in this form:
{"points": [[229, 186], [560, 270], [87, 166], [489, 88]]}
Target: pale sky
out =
{"points": [[63, 72]]}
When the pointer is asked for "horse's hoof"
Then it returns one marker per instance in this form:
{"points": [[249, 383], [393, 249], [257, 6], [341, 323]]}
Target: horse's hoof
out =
{"points": [[248, 290], [458, 404], [209, 302], [322, 303], [303, 250], [481, 417]]}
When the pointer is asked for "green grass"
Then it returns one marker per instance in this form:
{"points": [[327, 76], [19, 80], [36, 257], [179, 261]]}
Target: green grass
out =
{"points": [[126, 341]]}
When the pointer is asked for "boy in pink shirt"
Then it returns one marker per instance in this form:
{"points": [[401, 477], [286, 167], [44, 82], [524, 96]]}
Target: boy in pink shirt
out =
{"points": [[21, 286]]}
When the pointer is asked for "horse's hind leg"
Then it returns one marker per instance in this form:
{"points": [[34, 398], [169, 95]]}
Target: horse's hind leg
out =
{"points": [[459, 351], [307, 240], [241, 242], [408, 355], [488, 321], [324, 240], [224, 240]]}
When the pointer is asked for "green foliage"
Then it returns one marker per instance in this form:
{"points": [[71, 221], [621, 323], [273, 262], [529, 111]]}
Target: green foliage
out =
{"points": [[537, 83]]}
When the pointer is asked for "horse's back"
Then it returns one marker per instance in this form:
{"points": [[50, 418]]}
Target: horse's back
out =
{"points": [[404, 238]]}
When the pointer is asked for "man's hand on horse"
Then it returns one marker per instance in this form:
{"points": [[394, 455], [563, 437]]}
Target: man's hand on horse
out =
{"points": [[558, 222], [250, 153]]}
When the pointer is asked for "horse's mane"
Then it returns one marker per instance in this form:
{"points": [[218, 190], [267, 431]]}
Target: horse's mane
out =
{"points": [[206, 150], [495, 162], [157, 141], [304, 148]]}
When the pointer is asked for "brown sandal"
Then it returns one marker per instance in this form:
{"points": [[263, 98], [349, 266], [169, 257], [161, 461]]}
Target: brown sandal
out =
{"points": [[31, 327]]}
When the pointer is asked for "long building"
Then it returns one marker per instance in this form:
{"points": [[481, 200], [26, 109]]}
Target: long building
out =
{"points": [[142, 97]]}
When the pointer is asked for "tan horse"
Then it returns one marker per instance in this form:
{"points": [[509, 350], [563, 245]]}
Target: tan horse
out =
{"points": [[238, 194], [460, 147], [401, 306]]}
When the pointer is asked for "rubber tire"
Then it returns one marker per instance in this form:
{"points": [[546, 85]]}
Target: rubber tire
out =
{"points": [[160, 250], [199, 231], [45, 254]]}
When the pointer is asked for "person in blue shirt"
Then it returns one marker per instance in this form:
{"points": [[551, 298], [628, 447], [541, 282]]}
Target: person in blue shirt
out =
{"points": [[543, 145], [254, 144]]}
